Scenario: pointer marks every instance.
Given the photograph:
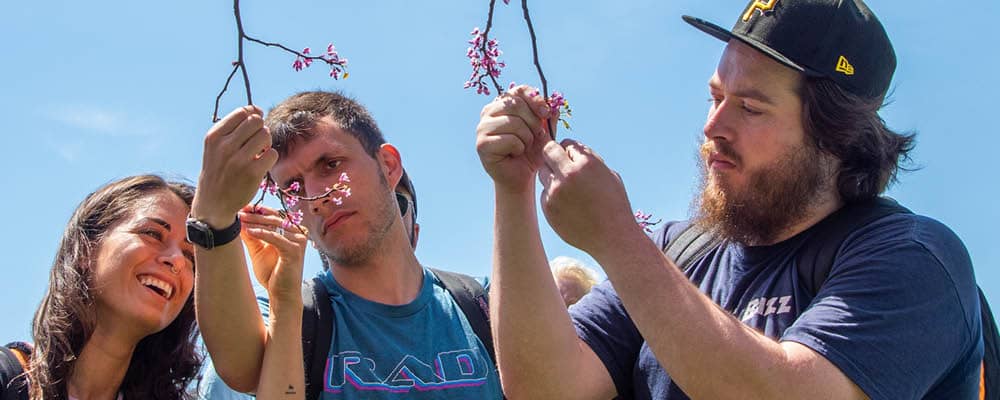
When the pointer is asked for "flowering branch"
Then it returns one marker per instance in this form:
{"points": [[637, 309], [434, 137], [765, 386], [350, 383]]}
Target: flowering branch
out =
{"points": [[643, 221], [338, 66], [484, 55], [290, 198]]}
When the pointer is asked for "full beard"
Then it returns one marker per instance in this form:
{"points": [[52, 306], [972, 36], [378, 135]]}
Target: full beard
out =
{"points": [[776, 197]]}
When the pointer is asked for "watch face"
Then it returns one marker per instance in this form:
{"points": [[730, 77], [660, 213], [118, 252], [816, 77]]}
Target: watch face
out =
{"points": [[199, 233]]}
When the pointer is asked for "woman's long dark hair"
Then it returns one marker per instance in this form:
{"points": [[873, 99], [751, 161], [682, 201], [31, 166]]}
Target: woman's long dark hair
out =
{"points": [[164, 363]]}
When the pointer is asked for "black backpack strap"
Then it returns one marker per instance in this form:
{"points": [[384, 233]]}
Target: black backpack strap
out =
{"points": [[317, 332], [472, 298], [820, 249], [13, 382], [991, 355], [693, 243]]}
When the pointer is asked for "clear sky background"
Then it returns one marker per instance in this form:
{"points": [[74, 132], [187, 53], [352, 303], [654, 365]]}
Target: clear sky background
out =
{"points": [[94, 91]]}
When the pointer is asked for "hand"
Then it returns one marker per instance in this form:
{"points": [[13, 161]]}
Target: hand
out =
{"points": [[583, 200], [276, 254], [510, 135], [237, 155]]}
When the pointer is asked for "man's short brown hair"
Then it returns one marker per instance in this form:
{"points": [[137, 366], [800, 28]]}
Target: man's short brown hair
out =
{"points": [[292, 119]]}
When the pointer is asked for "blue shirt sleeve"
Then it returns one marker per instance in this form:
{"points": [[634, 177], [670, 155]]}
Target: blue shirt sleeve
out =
{"points": [[601, 321], [898, 312]]}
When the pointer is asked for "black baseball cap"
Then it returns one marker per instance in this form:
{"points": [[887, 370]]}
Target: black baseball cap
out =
{"points": [[837, 39]]}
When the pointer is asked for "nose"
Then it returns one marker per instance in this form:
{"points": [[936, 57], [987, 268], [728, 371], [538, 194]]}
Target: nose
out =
{"points": [[719, 123], [173, 258], [316, 204]]}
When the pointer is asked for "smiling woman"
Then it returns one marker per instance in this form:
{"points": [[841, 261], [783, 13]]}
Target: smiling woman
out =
{"points": [[118, 317]]}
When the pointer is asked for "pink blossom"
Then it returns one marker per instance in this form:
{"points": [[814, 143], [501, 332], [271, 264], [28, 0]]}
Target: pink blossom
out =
{"points": [[483, 55], [337, 200], [295, 217], [297, 65], [344, 178], [305, 50], [556, 101], [643, 221]]}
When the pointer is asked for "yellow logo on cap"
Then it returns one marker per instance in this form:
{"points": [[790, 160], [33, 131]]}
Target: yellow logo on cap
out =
{"points": [[759, 5], [844, 66]]}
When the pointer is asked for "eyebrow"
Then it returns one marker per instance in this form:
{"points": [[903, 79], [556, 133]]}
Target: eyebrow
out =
{"points": [[750, 93], [323, 158], [160, 222]]}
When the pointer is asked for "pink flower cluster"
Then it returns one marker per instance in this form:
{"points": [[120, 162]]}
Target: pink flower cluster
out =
{"points": [[338, 66], [484, 59], [290, 196], [557, 105], [643, 220]]}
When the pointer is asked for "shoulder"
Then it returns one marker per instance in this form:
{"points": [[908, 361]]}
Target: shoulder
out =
{"points": [[914, 256], [453, 280], [921, 237]]}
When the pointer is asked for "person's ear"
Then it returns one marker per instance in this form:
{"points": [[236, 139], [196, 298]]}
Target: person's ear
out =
{"points": [[391, 164], [416, 234]]}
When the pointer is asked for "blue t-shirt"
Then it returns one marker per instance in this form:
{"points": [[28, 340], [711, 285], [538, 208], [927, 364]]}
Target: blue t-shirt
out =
{"points": [[899, 313], [422, 350]]}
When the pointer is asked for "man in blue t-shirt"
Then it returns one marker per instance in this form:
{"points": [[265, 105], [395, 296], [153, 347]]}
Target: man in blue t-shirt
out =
{"points": [[793, 135], [398, 332]]}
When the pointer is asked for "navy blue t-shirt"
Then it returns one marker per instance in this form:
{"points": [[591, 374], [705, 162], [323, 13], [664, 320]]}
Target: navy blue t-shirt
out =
{"points": [[899, 313]]}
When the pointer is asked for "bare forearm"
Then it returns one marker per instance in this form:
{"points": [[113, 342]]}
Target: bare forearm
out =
{"points": [[706, 351], [536, 342], [228, 315], [282, 375]]}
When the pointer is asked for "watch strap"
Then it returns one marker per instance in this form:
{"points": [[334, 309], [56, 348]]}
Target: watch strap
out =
{"points": [[204, 235]]}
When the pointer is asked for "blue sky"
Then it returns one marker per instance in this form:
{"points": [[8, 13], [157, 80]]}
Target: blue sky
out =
{"points": [[94, 91]]}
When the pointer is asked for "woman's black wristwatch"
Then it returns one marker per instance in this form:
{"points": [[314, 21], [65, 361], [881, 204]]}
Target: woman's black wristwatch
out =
{"points": [[206, 237]]}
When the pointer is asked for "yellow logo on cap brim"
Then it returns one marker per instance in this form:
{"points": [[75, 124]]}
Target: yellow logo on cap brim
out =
{"points": [[844, 66], [759, 5]]}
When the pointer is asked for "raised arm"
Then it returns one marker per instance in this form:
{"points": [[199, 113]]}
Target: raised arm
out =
{"points": [[277, 256], [237, 154], [707, 352], [536, 342]]}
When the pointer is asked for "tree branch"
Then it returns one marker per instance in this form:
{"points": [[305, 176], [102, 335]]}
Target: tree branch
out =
{"points": [[538, 65]]}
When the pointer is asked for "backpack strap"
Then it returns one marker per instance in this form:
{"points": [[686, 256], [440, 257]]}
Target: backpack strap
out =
{"points": [[818, 252], [13, 381], [317, 332], [691, 245], [990, 385], [472, 298]]}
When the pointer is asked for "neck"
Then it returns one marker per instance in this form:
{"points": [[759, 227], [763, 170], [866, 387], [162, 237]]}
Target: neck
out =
{"points": [[824, 205], [391, 276], [101, 366]]}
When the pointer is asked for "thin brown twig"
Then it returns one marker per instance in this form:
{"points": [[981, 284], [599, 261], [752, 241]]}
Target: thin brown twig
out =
{"points": [[283, 47], [538, 66], [486, 39], [243, 65], [215, 114]]}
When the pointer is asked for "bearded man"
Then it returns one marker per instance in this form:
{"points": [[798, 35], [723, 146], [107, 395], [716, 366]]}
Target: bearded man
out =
{"points": [[793, 145]]}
